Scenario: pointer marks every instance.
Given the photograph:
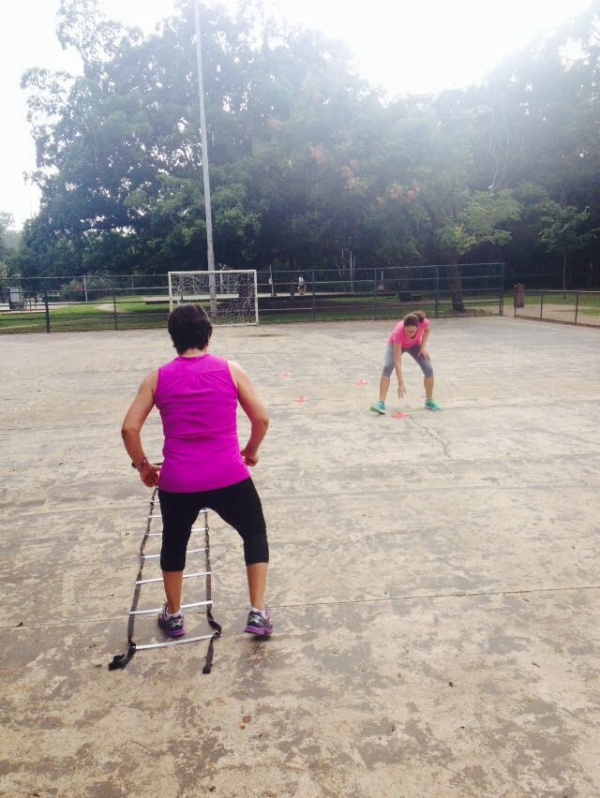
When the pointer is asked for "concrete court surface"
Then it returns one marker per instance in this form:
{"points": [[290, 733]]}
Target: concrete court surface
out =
{"points": [[434, 585]]}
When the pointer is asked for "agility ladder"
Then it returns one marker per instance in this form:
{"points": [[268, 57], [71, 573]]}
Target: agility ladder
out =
{"points": [[120, 661]]}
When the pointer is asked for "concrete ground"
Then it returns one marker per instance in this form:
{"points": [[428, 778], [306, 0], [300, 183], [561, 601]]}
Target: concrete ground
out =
{"points": [[434, 580]]}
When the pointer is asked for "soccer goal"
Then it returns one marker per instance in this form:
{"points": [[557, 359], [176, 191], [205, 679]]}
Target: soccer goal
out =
{"points": [[228, 295]]}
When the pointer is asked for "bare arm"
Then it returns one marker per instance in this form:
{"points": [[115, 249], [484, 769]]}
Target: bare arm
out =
{"points": [[423, 351], [131, 431], [254, 408]]}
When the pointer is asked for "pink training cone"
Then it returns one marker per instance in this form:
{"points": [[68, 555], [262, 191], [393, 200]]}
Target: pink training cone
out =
{"points": [[301, 399], [361, 383], [399, 415]]}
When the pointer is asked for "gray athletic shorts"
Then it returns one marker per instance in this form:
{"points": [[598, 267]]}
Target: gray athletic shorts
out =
{"points": [[424, 364]]}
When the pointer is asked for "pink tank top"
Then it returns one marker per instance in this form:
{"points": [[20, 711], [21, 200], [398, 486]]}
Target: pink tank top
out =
{"points": [[197, 400], [400, 338]]}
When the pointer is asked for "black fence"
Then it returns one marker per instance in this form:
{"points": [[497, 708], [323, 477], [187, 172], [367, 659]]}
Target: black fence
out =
{"points": [[121, 302], [381, 293], [564, 307]]}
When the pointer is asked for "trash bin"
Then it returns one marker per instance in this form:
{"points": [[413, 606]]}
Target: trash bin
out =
{"points": [[519, 295]]}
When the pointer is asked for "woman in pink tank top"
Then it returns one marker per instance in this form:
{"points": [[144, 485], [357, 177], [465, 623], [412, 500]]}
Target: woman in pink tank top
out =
{"points": [[410, 335], [203, 466]]}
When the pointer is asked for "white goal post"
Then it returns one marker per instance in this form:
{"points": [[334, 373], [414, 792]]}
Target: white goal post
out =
{"points": [[229, 296]]}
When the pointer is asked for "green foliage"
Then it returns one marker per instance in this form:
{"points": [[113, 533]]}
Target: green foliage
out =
{"points": [[563, 231], [82, 288], [306, 160], [478, 222], [7, 252]]}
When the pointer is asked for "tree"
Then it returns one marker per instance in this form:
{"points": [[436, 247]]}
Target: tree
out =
{"points": [[563, 232], [307, 161], [478, 222], [119, 148], [7, 244]]}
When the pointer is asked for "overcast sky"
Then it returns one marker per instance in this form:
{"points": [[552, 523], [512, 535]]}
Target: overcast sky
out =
{"points": [[409, 46]]}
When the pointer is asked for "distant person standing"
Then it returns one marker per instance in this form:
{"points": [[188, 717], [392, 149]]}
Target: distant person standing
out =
{"points": [[411, 336], [301, 286], [197, 396]]}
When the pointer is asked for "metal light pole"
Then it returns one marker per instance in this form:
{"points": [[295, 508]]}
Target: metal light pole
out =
{"points": [[205, 174]]}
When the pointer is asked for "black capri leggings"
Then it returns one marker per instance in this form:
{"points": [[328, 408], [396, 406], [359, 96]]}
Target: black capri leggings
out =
{"points": [[238, 505]]}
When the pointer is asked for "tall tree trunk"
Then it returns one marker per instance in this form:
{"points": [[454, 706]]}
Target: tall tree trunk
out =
{"points": [[456, 289]]}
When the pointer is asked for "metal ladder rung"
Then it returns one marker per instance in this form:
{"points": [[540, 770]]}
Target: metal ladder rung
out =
{"points": [[183, 607], [174, 642], [194, 528], [157, 556], [159, 534], [160, 579]]}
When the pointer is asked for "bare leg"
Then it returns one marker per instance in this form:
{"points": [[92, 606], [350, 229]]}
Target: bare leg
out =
{"points": [[428, 383], [173, 582], [384, 386], [257, 583]]}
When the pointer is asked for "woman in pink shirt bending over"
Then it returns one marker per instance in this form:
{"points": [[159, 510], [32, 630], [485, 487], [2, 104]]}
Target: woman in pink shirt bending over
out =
{"points": [[197, 396], [410, 335]]}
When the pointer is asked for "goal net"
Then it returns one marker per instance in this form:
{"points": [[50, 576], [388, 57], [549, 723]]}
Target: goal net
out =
{"points": [[229, 296]]}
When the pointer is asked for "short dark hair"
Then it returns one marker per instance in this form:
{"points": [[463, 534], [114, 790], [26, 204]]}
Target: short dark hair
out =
{"points": [[189, 328]]}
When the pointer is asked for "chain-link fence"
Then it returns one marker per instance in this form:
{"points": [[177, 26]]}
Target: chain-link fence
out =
{"points": [[98, 302], [568, 307], [95, 302]]}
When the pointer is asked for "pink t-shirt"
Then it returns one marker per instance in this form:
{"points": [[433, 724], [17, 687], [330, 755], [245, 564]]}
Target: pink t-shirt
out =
{"points": [[400, 338], [197, 400]]}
